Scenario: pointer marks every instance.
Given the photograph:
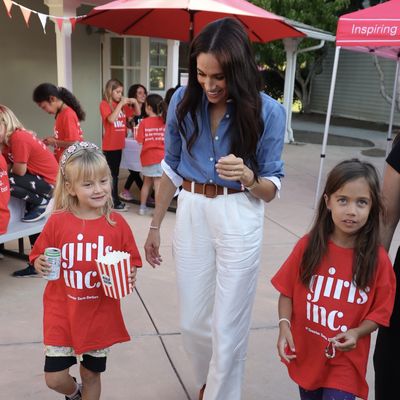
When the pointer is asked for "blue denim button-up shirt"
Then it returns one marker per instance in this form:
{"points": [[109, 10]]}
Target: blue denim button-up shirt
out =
{"points": [[200, 165]]}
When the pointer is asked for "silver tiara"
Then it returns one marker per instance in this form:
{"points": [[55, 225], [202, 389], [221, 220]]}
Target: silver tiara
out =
{"points": [[74, 148]]}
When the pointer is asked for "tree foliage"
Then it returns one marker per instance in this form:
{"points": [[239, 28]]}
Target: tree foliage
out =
{"points": [[322, 14]]}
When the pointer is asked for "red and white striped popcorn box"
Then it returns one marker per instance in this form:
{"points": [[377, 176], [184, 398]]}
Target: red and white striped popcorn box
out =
{"points": [[114, 268]]}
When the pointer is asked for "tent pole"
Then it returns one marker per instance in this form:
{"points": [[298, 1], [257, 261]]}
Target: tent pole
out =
{"points": [[327, 122], [389, 135]]}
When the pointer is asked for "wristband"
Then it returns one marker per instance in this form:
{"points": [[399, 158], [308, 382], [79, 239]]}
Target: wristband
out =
{"points": [[154, 227], [252, 186], [286, 320]]}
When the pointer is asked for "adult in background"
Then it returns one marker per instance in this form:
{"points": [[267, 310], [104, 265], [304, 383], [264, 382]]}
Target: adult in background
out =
{"points": [[387, 350], [68, 113], [223, 144]]}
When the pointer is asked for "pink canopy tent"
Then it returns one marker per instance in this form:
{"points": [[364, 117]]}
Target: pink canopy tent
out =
{"points": [[374, 30], [183, 19]]}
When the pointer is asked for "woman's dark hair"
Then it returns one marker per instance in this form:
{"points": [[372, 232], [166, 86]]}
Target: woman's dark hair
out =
{"points": [[132, 93], [227, 41], [44, 91], [169, 93], [158, 105], [367, 238]]}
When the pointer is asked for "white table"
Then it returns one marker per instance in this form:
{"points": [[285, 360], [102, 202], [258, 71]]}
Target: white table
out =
{"points": [[131, 155]]}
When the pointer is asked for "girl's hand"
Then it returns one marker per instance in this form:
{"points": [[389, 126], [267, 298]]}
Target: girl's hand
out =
{"points": [[346, 341], [132, 277], [50, 141], [42, 266], [285, 345], [232, 168], [152, 247]]}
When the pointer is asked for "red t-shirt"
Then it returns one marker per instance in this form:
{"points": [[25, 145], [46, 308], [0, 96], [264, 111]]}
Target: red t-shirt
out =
{"points": [[151, 134], [67, 128], [23, 147], [77, 313], [4, 195], [330, 305], [114, 134]]}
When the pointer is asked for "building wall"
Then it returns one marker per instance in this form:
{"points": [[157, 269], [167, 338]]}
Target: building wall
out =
{"points": [[28, 58], [357, 93]]}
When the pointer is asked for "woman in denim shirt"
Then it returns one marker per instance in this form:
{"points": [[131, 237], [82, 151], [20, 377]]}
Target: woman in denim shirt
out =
{"points": [[223, 145]]}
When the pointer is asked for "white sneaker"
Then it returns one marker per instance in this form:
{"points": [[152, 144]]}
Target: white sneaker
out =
{"points": [[143, 210]]}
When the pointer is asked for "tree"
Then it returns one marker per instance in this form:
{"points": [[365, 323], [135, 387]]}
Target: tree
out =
{"points": [[322, 14]]}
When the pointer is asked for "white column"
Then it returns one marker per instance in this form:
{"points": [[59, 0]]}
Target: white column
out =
{"points": [[291, 45], [172, 64], [63, 8]]}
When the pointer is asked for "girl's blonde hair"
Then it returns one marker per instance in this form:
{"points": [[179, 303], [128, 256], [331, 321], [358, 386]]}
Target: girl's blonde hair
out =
{"points": [[79, 164], [111, 85], [10, 121]]}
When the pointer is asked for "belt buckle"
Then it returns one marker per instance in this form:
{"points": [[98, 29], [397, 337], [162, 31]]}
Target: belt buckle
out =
{"points": [[209, 195]]}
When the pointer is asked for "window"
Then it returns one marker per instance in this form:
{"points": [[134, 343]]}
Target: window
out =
{"points": [[125, 60], [158, 63]]}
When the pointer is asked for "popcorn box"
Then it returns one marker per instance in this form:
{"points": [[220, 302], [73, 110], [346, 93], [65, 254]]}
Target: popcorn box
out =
{"points": [[114, 268]]}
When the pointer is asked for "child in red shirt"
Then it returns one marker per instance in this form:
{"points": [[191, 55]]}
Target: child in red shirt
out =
{"points": [[79, 320], [336, 288], [4, 193], [33, 167], [68, 112], [151, 135], [115, 112]]}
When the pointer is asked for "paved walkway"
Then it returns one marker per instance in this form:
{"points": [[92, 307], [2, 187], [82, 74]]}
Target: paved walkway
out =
{"points": [[154, 365]]}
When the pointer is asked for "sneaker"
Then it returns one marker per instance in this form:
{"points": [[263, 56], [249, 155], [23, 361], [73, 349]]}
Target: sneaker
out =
{"points": [[125, 195], [143, 210], [28, 271], [151, 202], [121, 207], [36, 213], [78, 396]]}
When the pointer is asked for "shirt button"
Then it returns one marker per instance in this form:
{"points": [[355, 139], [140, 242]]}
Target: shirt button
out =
{"points": [[211, 159], [216, 137], [210, 180], [227, 116]]}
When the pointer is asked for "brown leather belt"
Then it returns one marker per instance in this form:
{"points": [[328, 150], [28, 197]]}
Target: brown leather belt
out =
{"points": [[209, 190]]}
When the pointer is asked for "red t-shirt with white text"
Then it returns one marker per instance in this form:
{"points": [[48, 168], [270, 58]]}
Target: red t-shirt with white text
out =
{"points": [[67, 128], [332, 304], [23, 147], [4, 195], [114, 134], [77, 313], [151, 134]]}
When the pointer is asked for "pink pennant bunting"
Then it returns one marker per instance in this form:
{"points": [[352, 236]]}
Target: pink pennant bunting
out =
{"points": [[73, 23], [8, 4], [59, 22], [26, 12]]}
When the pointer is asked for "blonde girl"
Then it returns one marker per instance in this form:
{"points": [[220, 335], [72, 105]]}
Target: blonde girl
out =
{"points": [[336, 288], [80, 322], [151, 136], [115, 111]]}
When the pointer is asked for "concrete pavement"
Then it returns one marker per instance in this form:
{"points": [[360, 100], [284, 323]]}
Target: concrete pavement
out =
{"points": [[154, 365]]}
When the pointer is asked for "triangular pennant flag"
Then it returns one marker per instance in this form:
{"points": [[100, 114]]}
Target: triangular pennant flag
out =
{"points": [[43, 21], [73, 23], [26, 13], [59, 22], [8, 4]]}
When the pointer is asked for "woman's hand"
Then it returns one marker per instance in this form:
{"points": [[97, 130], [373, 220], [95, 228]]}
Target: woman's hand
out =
{"points": [[232, 168], [42, 266], [152, 247], [285, 345]]}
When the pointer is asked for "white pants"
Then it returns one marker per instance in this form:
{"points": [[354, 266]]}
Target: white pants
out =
{"points": [[217, 249]]}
